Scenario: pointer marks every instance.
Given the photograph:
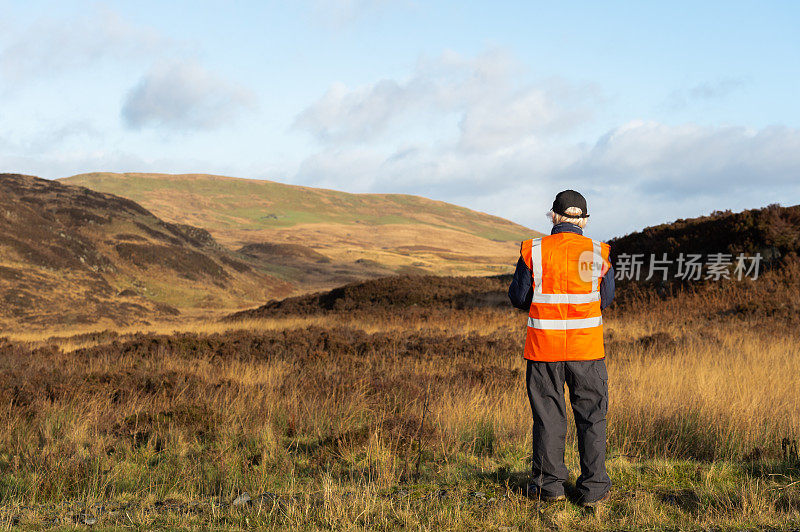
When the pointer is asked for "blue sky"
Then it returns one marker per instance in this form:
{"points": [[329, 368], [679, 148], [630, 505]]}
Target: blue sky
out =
{"points": [[655, 111]]}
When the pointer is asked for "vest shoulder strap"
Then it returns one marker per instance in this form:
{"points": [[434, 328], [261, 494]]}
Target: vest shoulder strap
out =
{"points": [[526, 249], [604, 251]]}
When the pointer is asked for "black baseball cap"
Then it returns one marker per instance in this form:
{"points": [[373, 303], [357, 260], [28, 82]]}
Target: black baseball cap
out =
{"points": [[570, 198]]}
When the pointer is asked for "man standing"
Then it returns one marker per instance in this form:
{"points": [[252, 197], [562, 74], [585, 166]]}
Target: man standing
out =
{"points": [[564, 280]]}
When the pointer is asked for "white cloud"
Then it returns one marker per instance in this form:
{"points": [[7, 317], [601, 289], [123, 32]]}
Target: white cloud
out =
{"points": [[354, 115], [176, 93], [482, 95], [503, 120], [46, 137], [52, 46], [690, 159], [56, 135], [183, 96]]}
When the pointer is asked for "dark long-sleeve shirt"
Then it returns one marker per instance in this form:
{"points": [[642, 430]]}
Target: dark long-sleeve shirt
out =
{"points": [[521, 290]]}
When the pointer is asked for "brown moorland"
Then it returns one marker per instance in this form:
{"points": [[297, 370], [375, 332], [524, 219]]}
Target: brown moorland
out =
{"points": [[69, 255], [399, 403]]}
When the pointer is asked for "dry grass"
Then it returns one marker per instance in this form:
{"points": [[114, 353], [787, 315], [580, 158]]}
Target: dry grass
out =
{"points": [[324, 413], [463, 322]]}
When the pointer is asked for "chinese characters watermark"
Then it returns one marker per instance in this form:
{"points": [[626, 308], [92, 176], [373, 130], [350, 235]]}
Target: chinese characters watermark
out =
{"points": [[687, 267]]}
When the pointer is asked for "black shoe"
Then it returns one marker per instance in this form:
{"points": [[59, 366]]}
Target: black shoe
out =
{"points": [[596, 502], [532, 492]]}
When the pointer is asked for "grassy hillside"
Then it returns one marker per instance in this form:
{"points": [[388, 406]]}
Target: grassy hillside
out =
{"points": [[392, 232], [71, 255]]}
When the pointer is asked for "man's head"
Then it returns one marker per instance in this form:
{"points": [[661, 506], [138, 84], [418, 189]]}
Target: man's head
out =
{"points": [[569, 206]]}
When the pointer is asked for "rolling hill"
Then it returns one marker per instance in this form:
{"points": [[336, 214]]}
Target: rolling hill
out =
{"points": [[323, 238], [71, 255], [773, 232]]}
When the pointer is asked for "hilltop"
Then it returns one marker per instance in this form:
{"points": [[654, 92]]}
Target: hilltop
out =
{"points": [[772, 231], [336, 236], [71, 255]]}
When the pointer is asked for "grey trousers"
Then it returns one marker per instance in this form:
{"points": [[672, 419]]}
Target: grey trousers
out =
{"points": [[588, 394]]}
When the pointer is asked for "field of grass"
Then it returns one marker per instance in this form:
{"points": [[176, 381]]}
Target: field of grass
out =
{"points": [[411, 418]]}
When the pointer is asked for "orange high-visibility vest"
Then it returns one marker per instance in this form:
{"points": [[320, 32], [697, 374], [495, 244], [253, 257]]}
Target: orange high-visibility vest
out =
{"points": [[564, 322]]}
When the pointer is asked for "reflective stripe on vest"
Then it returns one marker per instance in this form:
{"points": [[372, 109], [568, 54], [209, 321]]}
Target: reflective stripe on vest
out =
{"points": [[536, 264], [596, 272], [563, 325], [558, 299]]}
